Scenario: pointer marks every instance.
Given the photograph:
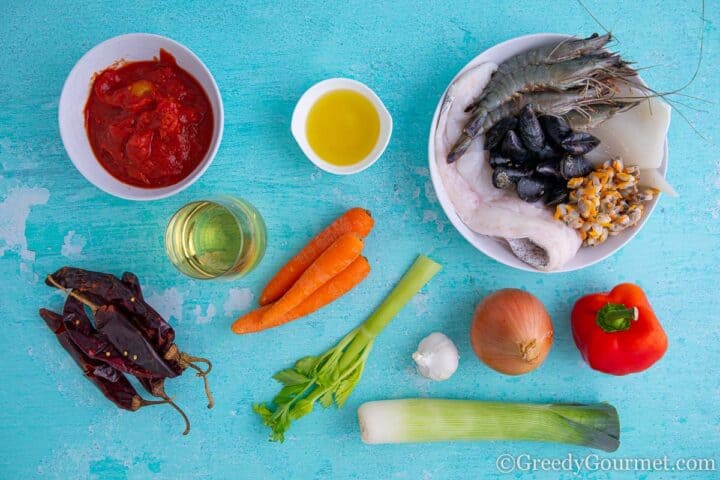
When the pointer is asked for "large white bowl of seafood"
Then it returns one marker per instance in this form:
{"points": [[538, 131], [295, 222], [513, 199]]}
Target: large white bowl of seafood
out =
{"points": [[548, 152]]}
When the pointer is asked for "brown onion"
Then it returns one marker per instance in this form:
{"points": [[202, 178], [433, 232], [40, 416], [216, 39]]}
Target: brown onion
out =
{"points": [[511, 331]]}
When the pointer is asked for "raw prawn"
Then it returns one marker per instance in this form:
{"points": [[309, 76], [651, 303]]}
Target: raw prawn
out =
{"points": [[566, 50], [598, 73]]}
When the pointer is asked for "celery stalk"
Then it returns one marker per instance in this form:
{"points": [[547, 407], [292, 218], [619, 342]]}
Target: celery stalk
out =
{"points": [[331, 377], [414, 279], [436, 420]]}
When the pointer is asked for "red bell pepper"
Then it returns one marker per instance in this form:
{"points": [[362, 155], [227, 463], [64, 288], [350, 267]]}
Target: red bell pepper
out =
{"points": [[618, 332]]}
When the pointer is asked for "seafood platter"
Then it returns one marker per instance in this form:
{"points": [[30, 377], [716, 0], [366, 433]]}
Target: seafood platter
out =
{"points": [[548, 152]]}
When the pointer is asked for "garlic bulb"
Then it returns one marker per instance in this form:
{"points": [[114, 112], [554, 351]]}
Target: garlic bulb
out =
{"points": [[436, 357]]}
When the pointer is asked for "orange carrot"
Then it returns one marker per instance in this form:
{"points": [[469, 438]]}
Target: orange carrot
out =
{"points": [[335, 288], [355, 220], [332, 261]]}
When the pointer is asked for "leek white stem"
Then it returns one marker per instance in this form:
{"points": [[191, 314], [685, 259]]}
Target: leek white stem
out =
{"points": [[435, 420]]}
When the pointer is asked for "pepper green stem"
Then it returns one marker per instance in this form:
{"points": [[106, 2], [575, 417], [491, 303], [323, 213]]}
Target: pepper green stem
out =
{"points": [[614, 317]]}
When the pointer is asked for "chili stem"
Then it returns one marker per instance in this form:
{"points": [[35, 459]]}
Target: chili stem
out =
{"points": [[187, 361], [72, 293], [164, 396]]}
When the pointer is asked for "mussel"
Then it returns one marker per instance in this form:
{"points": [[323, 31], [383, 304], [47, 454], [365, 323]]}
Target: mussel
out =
{"points": [[497, 160], [549, 169], [529, 129], [497, 132], [531, 189], [507, 177], [555, 127], [556, 193], [574, 166], [548, 152], [537, 154], [512, 148], [579, 143]]}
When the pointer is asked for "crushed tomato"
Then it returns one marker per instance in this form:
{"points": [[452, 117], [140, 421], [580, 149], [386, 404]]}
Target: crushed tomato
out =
{"points": [[149, 123]]}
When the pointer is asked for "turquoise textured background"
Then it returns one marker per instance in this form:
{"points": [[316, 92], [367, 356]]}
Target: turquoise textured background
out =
{"points": [[54, 424]]}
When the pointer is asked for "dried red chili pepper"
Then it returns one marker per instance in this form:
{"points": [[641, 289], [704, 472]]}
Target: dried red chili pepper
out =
{"points": [[172, 354], [120, 391], [113, 291], [156, 329], [128, 296], [76, 315], [120, 308], [86, 337], [108, 372], [130, 341], [95, 345]]}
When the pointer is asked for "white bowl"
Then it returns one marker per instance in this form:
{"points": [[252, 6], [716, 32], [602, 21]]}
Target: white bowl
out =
{"points": [[130, 47], [308, 99], [489, 246]]}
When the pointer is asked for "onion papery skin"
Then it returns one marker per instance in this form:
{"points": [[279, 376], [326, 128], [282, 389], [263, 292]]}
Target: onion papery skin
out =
{"points": [[511, 331]]}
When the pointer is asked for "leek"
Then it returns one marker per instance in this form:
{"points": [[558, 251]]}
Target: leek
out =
{"points": [[331, 377], [434, 420]]}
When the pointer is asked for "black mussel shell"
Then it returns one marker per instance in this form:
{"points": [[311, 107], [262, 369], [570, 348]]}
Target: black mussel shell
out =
{"points": [[531, 189], [579, 143], [512, 148], [556, 195], [549, 169], [556, 128], [497, 132], [507, 177], [501, 179], [548, 152], [529, 129], [498, 160], [574, 166], [528, 163]]}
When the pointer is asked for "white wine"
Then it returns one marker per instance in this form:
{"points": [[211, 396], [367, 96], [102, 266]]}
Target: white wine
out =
{"points": [[223, 237]]}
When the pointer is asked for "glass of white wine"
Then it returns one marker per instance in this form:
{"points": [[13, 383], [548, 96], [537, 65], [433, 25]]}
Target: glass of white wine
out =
{"points": [[220, 237]]}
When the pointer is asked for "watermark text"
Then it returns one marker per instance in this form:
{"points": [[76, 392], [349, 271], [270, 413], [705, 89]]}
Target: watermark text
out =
{"points": [[524, 462]]}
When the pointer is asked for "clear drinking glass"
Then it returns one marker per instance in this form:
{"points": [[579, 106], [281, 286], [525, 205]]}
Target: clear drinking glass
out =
{"points": [[220, 237]]}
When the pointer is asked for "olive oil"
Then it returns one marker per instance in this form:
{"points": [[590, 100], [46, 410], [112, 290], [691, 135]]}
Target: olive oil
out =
{"points": [[343, 127], [213, 238]]}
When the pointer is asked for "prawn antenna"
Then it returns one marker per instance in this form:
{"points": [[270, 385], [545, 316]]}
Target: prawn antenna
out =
{"points": [[700, 54], [584, 7], [648, 93]]}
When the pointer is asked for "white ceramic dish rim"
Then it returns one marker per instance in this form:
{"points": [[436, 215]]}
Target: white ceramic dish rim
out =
{"points": [[114, 186], [488, 245], [308, 99]]}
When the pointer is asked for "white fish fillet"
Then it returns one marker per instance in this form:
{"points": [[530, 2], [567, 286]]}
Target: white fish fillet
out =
{"points": [[530, 231]]}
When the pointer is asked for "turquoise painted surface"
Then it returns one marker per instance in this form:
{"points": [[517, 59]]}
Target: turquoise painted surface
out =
{"points": [[53, 423]]}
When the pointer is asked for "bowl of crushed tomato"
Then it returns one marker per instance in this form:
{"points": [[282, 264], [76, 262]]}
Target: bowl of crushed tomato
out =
{"points": [[140, 116]]}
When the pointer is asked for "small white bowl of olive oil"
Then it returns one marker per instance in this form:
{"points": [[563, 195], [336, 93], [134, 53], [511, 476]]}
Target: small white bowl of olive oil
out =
{"points": [[341, 125]]}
